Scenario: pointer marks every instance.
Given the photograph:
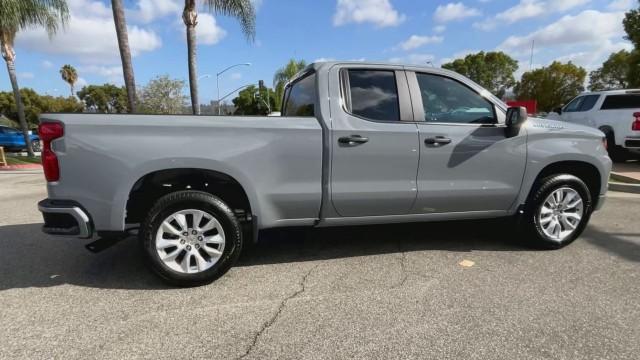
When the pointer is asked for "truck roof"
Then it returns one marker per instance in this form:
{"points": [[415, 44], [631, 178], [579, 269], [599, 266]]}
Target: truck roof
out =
{"points": [[613, 92]]}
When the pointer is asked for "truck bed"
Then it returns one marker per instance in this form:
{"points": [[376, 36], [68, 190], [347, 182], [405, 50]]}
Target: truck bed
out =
{"points": [[277, 160]]}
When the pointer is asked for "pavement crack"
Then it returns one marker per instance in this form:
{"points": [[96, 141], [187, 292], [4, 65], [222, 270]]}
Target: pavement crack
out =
{"points": [[276, 315]]}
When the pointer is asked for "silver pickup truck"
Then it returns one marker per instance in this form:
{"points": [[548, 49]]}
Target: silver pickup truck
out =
{"points": [[357, 143]]}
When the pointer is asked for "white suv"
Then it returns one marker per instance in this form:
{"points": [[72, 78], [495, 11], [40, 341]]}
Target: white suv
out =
{"points": [[616, 113]]}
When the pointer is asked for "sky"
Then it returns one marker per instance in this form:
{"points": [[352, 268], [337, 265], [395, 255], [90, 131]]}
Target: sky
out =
{"points": [[407, 31]]}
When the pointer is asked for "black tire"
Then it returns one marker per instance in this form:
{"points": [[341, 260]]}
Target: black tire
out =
{"points": [[616, 153], [35, 146], [183, 200], [532, 228]]}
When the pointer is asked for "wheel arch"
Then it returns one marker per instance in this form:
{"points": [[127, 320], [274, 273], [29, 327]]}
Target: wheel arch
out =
{"points": [[151, 186], [583, 170]]}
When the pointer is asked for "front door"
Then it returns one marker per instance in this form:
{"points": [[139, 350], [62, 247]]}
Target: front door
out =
{"points": [[467, 163], [374, 143]]}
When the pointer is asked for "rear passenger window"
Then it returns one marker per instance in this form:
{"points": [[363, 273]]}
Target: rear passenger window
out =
{"points": [[447, 101], [627, 101], [301, 97], [588, 102], [373, 94]]}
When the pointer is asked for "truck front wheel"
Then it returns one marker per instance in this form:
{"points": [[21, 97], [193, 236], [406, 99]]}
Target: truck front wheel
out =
{"points": [[191, 238], [557, 212]]}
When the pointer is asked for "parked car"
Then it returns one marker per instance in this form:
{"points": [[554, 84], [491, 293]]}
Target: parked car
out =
{"points": [[13, 139], [616, 113], [357, 143]]}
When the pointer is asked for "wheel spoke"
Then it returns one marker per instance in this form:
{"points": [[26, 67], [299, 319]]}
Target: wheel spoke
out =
{"points": [[169, 257], [200, 261], [215, 239], [574, 204], [182, 221], [162, 243], [167, 227], [197, 218], [186, 263], [214, 253], [546, 220], [567, 224]]}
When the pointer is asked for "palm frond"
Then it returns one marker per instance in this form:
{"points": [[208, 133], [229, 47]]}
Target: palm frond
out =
{"points": [[242, 10], [18, 15]]}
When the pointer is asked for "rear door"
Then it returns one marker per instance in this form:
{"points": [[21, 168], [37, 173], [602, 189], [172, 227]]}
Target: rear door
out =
{"points": [[618, 111], [374, 143], [467, 163]]}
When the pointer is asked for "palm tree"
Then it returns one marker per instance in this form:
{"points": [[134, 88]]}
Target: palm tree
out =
{"points": [[242, 10], [286, 73], [125, 52], [70, 75], [16, 15]]}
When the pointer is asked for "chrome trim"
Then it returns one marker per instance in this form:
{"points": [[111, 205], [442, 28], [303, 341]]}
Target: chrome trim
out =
{"points": [[78, 214]]}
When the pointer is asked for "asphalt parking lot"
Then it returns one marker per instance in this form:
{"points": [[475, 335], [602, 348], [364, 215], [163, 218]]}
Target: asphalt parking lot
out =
{"points": [[377, 292]]}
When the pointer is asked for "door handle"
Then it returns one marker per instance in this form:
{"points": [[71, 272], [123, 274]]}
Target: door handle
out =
{"points": [[438, 140], [353, 140]]}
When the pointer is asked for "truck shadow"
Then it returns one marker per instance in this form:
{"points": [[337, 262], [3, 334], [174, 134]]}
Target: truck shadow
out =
{"points": [[30, 258]]}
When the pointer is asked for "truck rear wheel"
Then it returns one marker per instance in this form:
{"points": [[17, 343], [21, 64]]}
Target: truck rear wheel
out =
{"points": [[557, 212], [191, 238]]}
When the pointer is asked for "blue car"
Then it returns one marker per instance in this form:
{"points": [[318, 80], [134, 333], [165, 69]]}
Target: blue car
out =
{"points": [[12, 139]]}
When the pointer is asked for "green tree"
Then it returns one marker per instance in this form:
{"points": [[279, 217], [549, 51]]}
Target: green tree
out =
{"points": [[105, 98], [631, 25], [551, 86], [163, 95], [492, 70], [125, 53], [70, 76], [16, 15], [613, 74], [34, 104], [243, 10], [252, 101], [284, 74]]}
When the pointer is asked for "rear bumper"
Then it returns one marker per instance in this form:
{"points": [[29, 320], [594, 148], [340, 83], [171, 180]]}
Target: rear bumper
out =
{"points": [[65, 218], [632, 143]]}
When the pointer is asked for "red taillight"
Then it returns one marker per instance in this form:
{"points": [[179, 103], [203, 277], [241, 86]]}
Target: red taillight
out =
{"points": [[50, 131], [636, 122]]}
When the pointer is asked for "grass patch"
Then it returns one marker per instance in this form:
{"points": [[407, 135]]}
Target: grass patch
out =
{"points": [[23, 160]]}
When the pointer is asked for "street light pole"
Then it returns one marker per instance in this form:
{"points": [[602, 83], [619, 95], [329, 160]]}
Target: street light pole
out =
{"points": [[205, 76], [218, 80]]}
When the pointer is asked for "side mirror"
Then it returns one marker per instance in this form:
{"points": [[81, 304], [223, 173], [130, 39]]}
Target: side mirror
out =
{"points": [[558, 110], [516, 116]]}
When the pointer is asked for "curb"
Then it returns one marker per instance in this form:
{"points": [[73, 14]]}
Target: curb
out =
{"points": [[622, 187], [21, 167], [623, 178]]}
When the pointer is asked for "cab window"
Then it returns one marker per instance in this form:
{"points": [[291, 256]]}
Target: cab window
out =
{"points": [[446, 100], [300, 97]]}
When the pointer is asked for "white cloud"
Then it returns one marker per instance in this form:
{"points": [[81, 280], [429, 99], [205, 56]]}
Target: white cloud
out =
{"points": [[112, 74], [439, 29], [378, 12], [26, 75], [419, 59], [416, 41], [527, 9], [454, 11], [573, 38], [208, 31], [149, 10], [90, 36], [47, 64], [572, 30], [621, 4]]}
